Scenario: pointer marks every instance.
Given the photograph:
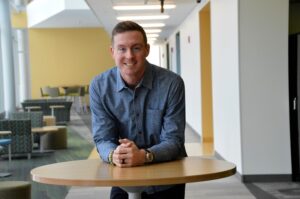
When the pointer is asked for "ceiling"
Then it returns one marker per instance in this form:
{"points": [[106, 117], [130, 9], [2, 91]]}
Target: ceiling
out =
{"points": [[100, 13], [107, 15]]}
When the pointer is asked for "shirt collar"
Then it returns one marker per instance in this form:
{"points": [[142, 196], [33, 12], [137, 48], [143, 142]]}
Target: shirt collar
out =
{"points": [[120, 82], [146, 81]]}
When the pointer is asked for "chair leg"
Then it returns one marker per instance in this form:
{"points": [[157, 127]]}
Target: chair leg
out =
{"points": [[2, 175], [9, 153]]}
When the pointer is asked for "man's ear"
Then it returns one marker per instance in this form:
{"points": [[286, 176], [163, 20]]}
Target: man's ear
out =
{"points": [[111, 51], [148, 49]]}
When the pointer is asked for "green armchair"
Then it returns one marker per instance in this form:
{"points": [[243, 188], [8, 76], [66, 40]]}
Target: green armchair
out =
{"points": [[35, 117], [21, 139]]}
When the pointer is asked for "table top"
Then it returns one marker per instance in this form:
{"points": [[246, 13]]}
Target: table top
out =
{"points": [[57, 106], [94, 172], [32, 107], [44, 129], [5, 132], [47, 117]]}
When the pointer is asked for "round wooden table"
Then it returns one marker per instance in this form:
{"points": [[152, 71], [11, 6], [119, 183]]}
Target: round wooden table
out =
{"points": [[94, 172]]}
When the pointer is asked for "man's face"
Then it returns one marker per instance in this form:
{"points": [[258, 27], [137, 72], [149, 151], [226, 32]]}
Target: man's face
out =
{"points": [[129, 52]]}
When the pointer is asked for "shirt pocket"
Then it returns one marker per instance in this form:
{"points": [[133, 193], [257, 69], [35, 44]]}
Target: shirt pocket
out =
{"points": [[154, 121]]}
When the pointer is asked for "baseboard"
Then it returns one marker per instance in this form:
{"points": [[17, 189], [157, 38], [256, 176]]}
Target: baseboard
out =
{"points": [[266, 178], [261, 177]]}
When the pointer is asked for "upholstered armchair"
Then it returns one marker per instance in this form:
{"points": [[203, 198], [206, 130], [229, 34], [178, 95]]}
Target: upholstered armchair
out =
{"points": [[35, 117], [2, 116], [21, 139]]}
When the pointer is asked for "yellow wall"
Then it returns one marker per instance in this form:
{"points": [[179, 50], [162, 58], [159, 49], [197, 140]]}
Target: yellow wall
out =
{"points": [[67, 56]]}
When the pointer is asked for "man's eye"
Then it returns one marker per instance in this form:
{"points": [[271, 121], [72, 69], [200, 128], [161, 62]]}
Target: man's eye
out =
{"points": [[122, 50], [136, 49]]}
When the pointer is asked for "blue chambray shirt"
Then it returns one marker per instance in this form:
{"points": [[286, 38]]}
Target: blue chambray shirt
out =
{"points": [[152, 115]]}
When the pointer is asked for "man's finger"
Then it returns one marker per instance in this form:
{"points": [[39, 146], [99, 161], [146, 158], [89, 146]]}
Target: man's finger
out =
{"points": [[124, 141]]}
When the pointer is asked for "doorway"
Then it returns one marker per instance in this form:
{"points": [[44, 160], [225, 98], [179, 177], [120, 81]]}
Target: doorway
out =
{"points": [[294, 91], [168, 56], [206, 80], [294, 86], [178, 62]]}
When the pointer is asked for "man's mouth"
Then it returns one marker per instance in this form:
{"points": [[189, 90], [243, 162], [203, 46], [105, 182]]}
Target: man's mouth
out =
{"points": [[129, 64]]}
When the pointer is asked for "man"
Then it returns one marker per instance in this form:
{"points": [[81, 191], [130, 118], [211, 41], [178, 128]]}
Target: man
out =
{"points": [[138, 110]]}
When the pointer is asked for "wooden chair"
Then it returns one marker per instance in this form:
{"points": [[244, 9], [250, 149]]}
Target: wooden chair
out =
{"points": [[54, 92]]}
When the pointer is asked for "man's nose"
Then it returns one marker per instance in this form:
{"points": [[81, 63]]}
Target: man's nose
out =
{"points": [[129, 53]]}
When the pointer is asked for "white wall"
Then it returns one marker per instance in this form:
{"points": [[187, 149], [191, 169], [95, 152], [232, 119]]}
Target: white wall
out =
{"points": [[264, 86], [250, 82], [190, 69], [225, 77], [154, 55], [190, 66], [163, 56]]}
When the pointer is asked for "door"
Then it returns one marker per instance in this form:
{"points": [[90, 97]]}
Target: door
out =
{"points": [[178, 62], [294, 91], [168, 56]]}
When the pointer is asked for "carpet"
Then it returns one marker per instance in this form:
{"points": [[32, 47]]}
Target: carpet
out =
{"points": [[20, 167], [279, 190]]}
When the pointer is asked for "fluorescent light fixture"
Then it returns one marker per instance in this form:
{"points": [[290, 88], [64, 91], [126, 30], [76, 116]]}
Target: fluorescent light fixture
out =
{"points": [[144, 7], [152, 35], [149, 25], [146, 17], [152, 30]]}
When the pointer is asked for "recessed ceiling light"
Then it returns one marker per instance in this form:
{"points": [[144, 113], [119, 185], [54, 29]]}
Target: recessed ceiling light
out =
{"points": [[148, 25], [144, 7], [152, 30], [146, 17]]}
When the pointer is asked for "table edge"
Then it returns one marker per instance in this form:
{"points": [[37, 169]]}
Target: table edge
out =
{"points": [[128, 183]]}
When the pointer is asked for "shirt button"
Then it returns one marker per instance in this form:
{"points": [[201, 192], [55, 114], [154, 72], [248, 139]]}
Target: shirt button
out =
{"points": [[140, 132]]}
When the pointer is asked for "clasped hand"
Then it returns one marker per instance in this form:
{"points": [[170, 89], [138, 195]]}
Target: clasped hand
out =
{"points": [[127, 154]]}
